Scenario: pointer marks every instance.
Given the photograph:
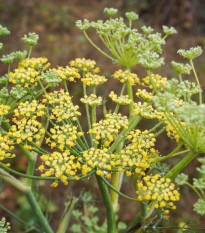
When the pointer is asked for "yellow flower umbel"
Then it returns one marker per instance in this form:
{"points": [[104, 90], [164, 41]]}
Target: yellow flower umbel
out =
{"points": [[4, 109], [28, 109], [67, 73], [139, 154], [27, 127], [121, 100], [92, 100], [160, 82], [38, 64], [24, 77], [147, 111], [100, 160], [105, 130], [124, 76], [158, 189], [61, 106], [144, 95], [93, 79], [60, 164], [85, 65], [63, 137], [6, 146]]}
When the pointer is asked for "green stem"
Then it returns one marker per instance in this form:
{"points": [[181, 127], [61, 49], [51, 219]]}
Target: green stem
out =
{"points": [[159, 132], [118, 192], [88, 114], [195, 190], [65, 85], [152, 82], [65, 219], [197, 80], [130, 94], [37, 211], [17, 218], [181, 165], [121, 93], [155, 127], [38, 177], [29, 52], [31, 168], [95, 46], [134, 120], [111, 221], [116, 183], [81, 130]]}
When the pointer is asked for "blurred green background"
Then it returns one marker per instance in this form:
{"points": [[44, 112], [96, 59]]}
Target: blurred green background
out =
{"points": [[60, 41]]}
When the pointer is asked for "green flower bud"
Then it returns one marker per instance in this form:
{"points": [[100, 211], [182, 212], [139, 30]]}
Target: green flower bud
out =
{"points": [[147, 30], [18, 92], [1, 45], [181, 68], [31, 39], [4, 31], [181, 179], [4, 79], [199, 207], [20, 56], [169, 31], [132, 16], [4, 94], [191, 53], [8, 59], [4, 226], [110, 11], [150, 60], [199, 183], [51, 78], [82, 25]]}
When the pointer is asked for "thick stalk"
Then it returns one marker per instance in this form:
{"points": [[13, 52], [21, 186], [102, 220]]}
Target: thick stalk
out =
{"points": [[116, 183], [111, 222], [181, 165], [130, 94], [37, 211], [31, 168], [66, 217]]}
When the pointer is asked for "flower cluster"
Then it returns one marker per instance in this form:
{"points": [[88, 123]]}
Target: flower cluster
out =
{"points": [[54, 76], [126, 76], [99, 159], [38, 64], [24, 77], [63, 137], [27, 130], [139, 153], [160, 82], [4, 109], [158, 189], [147, 111], [60, 164], [144, 94], [122, 99], [92, 100], [29, 109], [85, 65], [6, 146], [106, 129], [93, 79], [62, 106]]}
